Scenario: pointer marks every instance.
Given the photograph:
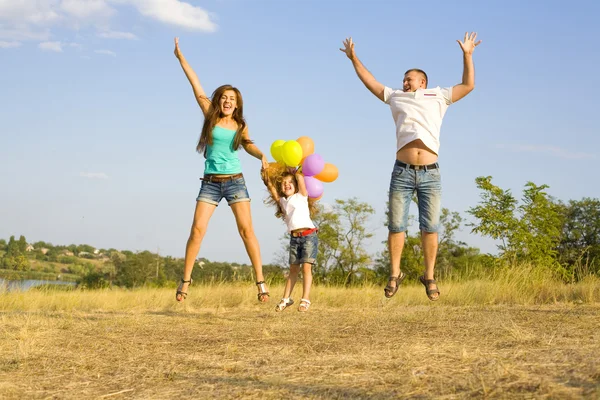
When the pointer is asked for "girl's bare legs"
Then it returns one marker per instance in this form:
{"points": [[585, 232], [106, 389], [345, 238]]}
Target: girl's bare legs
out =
{"points": [[291, 280], [243, 219], [202, 215], [306, 280]]}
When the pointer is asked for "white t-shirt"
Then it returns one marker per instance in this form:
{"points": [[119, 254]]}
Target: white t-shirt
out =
{"points": [[418, 115], [297, 215]]}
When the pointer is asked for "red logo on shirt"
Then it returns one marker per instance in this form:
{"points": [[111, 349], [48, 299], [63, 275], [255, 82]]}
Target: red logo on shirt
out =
{"points": [[429, 94]]}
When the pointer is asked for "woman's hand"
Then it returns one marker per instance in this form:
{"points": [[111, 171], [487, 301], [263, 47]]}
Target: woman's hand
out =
{"points": [[177, 51], [265, 163]]}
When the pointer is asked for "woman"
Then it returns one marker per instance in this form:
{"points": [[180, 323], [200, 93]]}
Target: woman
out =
{"points": [[223, 133]]}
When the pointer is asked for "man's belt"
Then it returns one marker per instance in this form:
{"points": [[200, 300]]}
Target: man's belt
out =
{"points": [[417, 167]]}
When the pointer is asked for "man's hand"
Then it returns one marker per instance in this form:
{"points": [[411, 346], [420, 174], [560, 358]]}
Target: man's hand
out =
{"points": [[468, 44], [348, 48], [468, 79], [177, 51]]}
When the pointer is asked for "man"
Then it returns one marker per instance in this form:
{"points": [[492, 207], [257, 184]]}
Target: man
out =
{"points": [[418, 114]]}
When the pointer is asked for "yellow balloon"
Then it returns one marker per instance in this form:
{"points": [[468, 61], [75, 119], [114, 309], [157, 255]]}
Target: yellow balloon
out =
{"points": [[291, 153], [276, 150]]}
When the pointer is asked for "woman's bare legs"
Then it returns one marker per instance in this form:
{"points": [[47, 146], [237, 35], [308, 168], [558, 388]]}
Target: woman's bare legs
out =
{"points": [[202, 215], [243, 219]]}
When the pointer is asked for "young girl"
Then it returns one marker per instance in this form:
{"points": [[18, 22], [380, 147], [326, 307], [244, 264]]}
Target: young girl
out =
{"points": [[223, 133], [289, 194]]}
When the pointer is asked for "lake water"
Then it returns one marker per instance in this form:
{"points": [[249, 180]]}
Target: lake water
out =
{"points": [[26, 284]]}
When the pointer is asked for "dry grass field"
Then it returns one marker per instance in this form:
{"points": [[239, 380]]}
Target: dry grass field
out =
{"points": [[481, 340]]}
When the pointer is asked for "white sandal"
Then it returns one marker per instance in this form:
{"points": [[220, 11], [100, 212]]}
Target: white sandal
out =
{"points": [[304, 305], [283, 304]]}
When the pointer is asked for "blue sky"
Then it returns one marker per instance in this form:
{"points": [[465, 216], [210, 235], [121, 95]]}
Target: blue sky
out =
{"points": [[98, 124]]}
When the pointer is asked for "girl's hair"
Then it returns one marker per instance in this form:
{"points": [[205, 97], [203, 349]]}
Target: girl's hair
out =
{"points": [[213, 116], [277, 173]]}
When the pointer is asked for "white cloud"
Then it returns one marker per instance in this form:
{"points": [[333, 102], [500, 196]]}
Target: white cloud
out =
{"points": [[38, 12], [176, 12], [93, 175], [106, 52], [51, 46], [23, 33], [117, 35], [554, 151], [87, 9], [22, 20], [27, 20], [9, 45]]}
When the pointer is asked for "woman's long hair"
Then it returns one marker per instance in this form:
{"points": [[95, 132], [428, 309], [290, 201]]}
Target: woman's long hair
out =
{"points": [[277, 172], [213, 116]]}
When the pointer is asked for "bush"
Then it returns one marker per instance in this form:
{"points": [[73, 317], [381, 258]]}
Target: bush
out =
{"points": [[94, 280]]}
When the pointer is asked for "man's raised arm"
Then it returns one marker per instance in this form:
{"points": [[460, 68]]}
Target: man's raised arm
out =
{"points": [[468, 79], [365, 76]]}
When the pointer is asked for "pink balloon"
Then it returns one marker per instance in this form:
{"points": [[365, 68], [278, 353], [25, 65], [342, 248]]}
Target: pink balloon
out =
{"points": [[312, 165], [314, 187]]}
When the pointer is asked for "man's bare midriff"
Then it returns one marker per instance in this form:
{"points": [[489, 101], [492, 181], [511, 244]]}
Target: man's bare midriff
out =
{"points": [[416, 153]]}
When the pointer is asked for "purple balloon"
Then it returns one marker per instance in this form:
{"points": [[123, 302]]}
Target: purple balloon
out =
{"points": [[313, 165], [314, 187]]}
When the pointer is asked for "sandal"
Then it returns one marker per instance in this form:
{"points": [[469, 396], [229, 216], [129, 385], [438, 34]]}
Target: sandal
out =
{"points": [[283, 304], [304, 304], [389, 290], [262, 292], [430, 292], [180, 292]]}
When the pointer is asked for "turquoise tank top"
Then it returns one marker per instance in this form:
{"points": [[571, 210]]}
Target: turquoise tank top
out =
{"points": [[220, 158]]}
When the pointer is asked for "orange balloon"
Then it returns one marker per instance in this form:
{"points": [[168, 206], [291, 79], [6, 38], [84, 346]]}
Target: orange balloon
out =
{"points": [[307, 144], [329, 173], [316, 198]]}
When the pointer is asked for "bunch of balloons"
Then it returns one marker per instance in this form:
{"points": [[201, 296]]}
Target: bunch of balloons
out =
{"points": [[301, 152]]}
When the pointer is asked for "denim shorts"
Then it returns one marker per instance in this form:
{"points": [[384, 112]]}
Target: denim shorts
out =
{"points": [[304, 249], [233, 191], [427, 183]]}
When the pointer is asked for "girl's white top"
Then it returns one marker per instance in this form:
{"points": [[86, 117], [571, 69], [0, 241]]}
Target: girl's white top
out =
{"points": [[297, 215]]}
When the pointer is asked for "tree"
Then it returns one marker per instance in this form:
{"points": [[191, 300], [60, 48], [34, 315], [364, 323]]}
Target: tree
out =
{"points": [[12, 249], [136, 269], [40, 245], [353, 255], [447, 249], [85, 248], [22, 245], [579, 246], [15, 255], [328, 222], [450, 222], [18, 262], [342, 236], [495, 213], [529, 232]]}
